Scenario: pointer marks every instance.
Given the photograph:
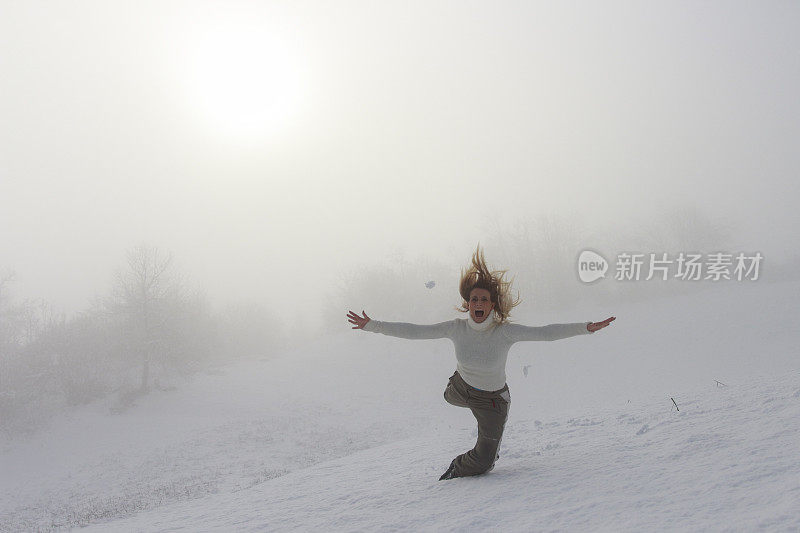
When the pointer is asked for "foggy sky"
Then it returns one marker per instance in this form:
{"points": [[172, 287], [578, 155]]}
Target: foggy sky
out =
{"points": [[387, 126]]}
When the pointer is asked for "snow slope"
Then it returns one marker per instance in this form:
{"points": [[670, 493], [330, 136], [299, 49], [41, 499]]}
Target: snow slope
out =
{"points": [[728, 460], [352, 433]]}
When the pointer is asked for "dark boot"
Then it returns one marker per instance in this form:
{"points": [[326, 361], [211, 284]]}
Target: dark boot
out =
{"points": [[451, 472]]}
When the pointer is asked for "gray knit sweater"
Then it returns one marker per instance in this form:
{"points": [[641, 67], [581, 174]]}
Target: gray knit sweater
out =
{"points": [[481, 349]]}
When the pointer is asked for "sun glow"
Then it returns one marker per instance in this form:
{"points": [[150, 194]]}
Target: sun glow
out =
{"points": [[243, 81]]}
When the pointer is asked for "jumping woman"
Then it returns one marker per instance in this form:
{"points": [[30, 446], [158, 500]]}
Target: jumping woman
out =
{"points": [[481, 342]]}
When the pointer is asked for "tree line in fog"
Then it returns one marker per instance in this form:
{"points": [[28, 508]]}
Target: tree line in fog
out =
{"points": [[151, 329], [148, 331]]}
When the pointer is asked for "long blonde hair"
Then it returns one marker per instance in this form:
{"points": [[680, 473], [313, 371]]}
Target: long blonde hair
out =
{"points": [[478, 276]]}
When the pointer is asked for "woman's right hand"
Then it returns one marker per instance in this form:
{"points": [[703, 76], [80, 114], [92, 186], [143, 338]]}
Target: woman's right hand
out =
{"points": [[359, 321]]}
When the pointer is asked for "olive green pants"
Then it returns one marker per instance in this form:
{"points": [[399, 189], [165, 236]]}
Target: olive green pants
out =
{"points": [[491, 411]]}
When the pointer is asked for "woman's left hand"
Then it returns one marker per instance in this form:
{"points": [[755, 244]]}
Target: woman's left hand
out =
{"points": [[359, 322], [594, 326]]}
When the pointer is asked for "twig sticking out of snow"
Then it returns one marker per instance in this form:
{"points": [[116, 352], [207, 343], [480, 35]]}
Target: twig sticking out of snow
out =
{"points": [[719, 383], [673, 401]]}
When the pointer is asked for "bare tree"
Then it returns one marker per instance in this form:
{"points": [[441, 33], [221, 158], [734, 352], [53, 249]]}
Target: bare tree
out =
{"points": [[142, 294]]}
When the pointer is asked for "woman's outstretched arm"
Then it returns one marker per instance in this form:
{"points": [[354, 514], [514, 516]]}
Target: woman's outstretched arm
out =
{"points": [[402, 329], [553, 332]]}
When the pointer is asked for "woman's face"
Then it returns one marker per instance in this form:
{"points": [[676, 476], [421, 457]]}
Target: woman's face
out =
{"points": [[480, 304]]}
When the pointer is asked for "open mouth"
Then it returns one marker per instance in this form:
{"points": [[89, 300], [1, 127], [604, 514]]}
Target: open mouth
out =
{"points": [[478, 313]]}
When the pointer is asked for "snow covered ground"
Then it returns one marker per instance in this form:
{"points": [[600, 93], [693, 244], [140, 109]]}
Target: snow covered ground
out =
{"points": [[352, 434]]}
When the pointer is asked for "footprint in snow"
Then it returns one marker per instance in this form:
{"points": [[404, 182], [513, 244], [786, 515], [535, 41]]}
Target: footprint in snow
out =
{"points": [[644, 429], [630, 419], [583, 422]]}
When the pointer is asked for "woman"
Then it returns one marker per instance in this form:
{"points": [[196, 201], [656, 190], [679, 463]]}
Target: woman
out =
{"points": [[481, 342]]}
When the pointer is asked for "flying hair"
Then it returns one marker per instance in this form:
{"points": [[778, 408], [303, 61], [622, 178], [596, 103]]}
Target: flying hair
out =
{"points": [[478, 276]]}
